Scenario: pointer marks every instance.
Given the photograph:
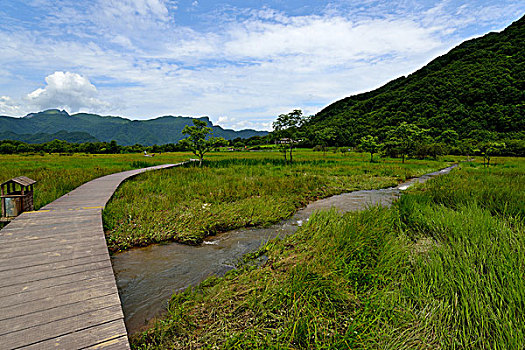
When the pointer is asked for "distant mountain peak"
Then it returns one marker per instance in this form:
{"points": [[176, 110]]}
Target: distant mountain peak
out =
{"points": [[47, 113]]}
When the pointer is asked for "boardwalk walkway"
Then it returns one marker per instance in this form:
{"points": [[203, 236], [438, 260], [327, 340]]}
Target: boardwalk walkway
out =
{"points": [[57, 288]]}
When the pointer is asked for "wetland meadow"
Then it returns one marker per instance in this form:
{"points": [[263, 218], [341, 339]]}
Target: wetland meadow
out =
{"points": [[440, 268]]}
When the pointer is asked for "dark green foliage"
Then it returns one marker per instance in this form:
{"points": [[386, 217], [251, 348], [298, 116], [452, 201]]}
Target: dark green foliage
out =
{"points": [[73, 137], [476, 91], [370, 144], [162, 130]]}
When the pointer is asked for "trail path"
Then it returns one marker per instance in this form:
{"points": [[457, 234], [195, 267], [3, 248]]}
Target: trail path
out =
{"points": [[57, 288]]}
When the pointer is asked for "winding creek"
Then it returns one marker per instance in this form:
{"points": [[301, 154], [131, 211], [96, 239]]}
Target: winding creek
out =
{"points": [[147, 277]]}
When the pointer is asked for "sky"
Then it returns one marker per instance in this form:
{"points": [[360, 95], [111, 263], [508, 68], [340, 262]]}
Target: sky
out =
{"points": [[242, 63]]}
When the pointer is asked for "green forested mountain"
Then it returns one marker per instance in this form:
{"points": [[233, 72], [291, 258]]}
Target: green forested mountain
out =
{"points": [[477, 90], [159, 131], [73, 137]]}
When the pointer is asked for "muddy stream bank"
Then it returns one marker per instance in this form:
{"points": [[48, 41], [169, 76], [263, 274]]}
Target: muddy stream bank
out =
{"points": [[147, 277]]}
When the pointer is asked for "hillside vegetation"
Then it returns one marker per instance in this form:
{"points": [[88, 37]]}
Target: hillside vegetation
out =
{"points": [[476, 90]]}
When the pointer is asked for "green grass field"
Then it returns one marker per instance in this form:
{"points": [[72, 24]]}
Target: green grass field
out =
{"points": [[240, 189], [56, 174], [442, 269]]}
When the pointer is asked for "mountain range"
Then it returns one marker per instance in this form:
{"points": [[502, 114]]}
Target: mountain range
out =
{"points": [[84, 127]]}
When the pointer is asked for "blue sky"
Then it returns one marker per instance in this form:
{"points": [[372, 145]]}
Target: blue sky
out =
{"points": [[241, 63]]}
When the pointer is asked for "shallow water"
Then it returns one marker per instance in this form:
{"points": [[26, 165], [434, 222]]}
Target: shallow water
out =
{"points": [[147, 277]]}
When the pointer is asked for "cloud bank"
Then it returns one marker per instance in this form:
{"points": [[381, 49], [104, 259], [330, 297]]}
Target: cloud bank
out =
{"points": [[242, 65]]}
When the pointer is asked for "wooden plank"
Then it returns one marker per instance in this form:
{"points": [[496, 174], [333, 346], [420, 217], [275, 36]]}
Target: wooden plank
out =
{"points": [[37, 318], [46, 258], [73, 235], [60, 248], [56, 266], [73, 333], [51, 274], [34, 307], [113, 344], [68, 235], [49, 218], [51, 229], [15, 234], [104, 272], [35, 235], [56, 290]]}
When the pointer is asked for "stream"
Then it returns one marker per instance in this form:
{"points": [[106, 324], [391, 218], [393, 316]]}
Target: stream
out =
{"points": [[147, 277]]}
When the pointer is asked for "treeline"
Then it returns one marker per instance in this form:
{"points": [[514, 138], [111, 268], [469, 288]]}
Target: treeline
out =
{"points": [[59, 146], [404, 140], [409, 140]]}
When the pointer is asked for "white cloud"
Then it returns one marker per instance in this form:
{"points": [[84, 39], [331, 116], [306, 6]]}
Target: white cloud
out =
{"points": [[328, 41], [66, 90], [8, 106], [133, 10]]}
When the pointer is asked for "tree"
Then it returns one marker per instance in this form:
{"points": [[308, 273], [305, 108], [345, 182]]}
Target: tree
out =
{"points": [[404, 138], [199, 140], [113, 147], [490, 148], [7, 148], [449, 137], [370, 144], [286, 129]]}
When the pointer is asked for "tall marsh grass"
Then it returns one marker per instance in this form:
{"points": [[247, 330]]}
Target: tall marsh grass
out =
{"points": [[441, 269], [467, 288], [187, 204]]}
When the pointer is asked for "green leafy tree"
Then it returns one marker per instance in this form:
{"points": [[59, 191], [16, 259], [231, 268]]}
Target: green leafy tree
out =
{"points": [[370, 144], [449, 137], [405, 137], [113, 147], [199, 139], [7, 148], [286, 129], [488, 149]]}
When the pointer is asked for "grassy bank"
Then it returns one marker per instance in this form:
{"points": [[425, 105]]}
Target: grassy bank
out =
{"points": [[235, 190], [442, 268]]}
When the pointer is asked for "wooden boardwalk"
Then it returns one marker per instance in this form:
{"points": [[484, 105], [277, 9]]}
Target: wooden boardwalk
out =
{"points": [[57, 288]]}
